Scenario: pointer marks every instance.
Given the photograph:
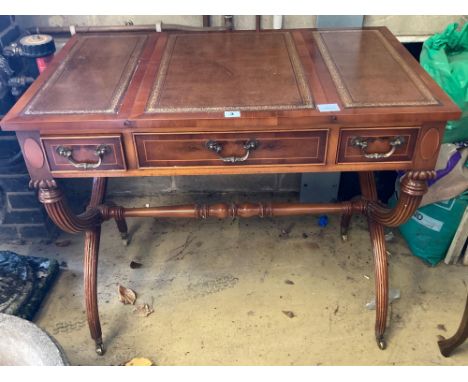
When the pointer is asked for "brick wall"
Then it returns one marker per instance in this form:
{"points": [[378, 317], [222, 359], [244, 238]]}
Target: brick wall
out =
{"points": [[22, 217]]}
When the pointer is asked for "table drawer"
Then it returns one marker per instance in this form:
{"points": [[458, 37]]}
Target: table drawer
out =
{"points": [[84, 153], [377, 145], [224, 149]]}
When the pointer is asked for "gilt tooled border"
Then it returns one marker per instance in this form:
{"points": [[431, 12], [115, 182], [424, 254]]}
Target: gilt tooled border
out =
{"points": [[118, 93], [343, 91], [303, 88]]}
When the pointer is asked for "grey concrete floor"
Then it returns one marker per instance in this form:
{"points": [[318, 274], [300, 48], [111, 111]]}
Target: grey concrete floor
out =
{"points": [[219, 290]]}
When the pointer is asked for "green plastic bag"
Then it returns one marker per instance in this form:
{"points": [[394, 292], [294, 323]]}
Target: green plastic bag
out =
{"points": [[430, 231], [445, 57]]}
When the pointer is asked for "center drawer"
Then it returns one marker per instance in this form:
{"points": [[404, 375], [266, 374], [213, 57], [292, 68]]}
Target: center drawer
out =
{"points": [[227, 149]]}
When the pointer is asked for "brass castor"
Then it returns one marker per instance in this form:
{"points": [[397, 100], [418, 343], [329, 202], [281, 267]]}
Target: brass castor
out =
{"points": [[381, 343], [100, 349]]}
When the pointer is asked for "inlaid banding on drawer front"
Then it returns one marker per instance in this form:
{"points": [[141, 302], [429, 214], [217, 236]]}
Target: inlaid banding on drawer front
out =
{"points": [[85, 151], [163, 150], [381, 145]]}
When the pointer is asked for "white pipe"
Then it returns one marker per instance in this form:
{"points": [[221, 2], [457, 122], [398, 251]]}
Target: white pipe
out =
{"points": [[277, 22]]}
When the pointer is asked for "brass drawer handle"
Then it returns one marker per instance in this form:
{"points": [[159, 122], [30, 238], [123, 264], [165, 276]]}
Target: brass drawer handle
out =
{"points": [[67, 152], [362, 143], [218, 147]]}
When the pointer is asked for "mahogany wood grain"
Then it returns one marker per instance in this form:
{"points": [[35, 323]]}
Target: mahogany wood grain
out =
{"points": [[157, 98], [91, 254], [58, 210], [83, 151], [378, 142], [376, 230], [233, 210], [97, 198], [155, 150]]}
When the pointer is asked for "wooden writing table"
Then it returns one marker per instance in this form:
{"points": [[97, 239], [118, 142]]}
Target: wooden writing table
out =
{"points": [[245, 102]]}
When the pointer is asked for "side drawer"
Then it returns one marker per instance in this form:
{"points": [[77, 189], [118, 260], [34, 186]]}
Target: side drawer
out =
{"points": [[84, 153], [377, 145], [163, 150]]}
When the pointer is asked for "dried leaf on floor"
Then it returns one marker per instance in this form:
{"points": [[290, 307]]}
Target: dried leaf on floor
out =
{"points": [[62, 243], [139, 362], [135, 265], [126, 295], [143, 310], [441, 327], [289, 313], [289, 282]]}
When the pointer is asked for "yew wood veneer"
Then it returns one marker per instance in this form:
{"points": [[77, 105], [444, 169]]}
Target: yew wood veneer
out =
{"points": [[244, 102]]}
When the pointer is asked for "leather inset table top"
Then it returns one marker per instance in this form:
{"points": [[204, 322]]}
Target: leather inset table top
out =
{"points": [[178, 81], [367, 71], [93, 77], [229, 71]]}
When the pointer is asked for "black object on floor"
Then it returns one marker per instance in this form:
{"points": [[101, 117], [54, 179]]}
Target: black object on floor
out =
{"points": [[24, 282]]}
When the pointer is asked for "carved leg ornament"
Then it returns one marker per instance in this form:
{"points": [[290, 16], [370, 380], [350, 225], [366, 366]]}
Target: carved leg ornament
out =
{"points": [[447, 346]]}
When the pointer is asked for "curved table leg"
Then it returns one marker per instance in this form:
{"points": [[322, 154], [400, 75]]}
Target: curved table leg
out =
{"points": [[90, 222], [377, 236], [381, 281], [447, 346], [91, 251]]}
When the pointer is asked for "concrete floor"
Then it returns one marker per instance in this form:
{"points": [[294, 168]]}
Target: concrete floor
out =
{"points": [[219, 290]]}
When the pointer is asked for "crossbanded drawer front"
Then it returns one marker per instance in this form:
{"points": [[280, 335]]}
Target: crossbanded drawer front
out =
{"points": [[84, 154], [377, 145], [224, 149]]}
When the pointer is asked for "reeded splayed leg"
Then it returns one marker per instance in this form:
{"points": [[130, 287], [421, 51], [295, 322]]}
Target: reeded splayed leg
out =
{"points": [[413, 186], [377, 236], [89, 221], [91, 254], [447, 346], [91, 251]]}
